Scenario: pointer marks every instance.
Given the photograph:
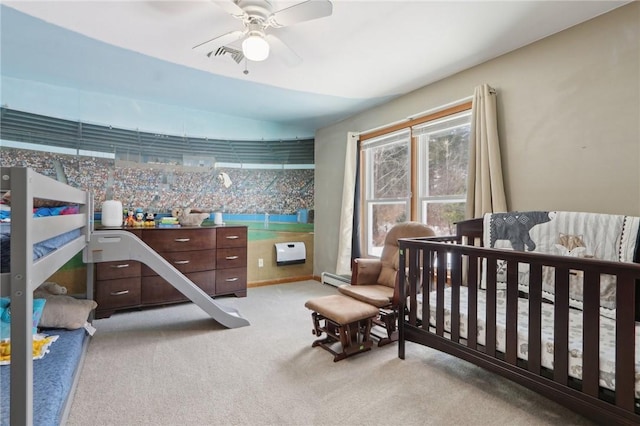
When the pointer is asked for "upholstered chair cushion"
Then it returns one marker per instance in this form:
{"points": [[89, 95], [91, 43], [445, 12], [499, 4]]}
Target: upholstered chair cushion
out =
{"points": [[374, 280], [373, 294]]}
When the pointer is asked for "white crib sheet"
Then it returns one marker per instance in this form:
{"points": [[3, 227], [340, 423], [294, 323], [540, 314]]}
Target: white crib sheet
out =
{"points": [[607, 334]]}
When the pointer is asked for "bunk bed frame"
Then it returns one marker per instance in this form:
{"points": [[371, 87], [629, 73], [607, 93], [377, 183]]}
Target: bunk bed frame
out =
{"points": [[451, 263], [97, 246]]}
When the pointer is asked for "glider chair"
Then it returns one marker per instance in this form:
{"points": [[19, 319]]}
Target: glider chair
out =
{"points": [[375, 281]]}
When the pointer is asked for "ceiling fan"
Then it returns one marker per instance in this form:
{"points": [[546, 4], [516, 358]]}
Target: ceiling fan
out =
{"points": [[257, 16]]}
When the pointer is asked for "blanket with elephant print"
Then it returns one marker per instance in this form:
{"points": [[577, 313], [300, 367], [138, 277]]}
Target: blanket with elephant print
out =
{"points": [[578, 234]]}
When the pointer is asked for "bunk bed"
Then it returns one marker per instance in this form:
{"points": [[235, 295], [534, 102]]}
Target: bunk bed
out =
{"points": [[36, 237], [33, 258], [461, 292]]}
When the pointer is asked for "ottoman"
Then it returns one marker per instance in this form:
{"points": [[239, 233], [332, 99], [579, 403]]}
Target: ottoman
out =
{"points": [[346, 322]]}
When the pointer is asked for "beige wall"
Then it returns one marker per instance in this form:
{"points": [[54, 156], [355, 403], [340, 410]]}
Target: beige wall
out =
{"points": [[569, 125], [270, 272]]}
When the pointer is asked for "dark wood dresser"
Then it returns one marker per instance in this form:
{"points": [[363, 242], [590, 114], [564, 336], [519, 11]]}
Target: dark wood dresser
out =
{"points": [[214, 258]]}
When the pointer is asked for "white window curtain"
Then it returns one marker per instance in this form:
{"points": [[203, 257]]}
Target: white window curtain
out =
{"points": [[485, 189], [343, 266]]}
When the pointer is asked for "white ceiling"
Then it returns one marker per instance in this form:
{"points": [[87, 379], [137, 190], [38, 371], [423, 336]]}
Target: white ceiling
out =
{"points": [[365, 53]]}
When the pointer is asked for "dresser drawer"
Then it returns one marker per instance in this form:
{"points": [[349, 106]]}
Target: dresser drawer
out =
{"points": [[231, 257], [120, 269], [165, 240], [187, 261], [155, 290], [231, 237], [119, 293], [231, 280]]}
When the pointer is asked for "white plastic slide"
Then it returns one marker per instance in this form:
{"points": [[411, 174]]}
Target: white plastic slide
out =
{"points": [[107, 246]]}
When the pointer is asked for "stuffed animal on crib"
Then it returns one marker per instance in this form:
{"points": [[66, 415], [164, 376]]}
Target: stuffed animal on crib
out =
{"points": [[130, 219], [189, 217], [149, 220]]}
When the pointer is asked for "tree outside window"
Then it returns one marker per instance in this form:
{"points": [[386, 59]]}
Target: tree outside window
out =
{"points": [[426, 184]]}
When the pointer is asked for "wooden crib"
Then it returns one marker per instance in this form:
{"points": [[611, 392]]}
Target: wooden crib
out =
{"points": [[459, 295]]}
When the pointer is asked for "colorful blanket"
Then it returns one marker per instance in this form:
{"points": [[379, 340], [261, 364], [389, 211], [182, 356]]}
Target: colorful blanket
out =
{"points": [[41, 345]]}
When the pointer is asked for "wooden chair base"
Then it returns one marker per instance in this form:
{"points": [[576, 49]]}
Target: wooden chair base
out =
{"points": [[346, 321], [342, 340], [387, 321]]}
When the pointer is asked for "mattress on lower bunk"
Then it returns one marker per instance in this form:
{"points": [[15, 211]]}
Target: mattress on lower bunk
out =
{"points": [[53, 377], [607, 333], [39, 249]]}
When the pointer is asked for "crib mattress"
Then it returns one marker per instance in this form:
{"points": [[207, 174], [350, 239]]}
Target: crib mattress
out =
{"points": [[607, 334]]}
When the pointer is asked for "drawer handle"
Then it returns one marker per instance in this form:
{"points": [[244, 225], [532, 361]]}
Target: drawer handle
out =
{"points": [[122, 265], [232, 257], [182, 240], [119, 293], [232, 237], [230, 280], [181, 262]]}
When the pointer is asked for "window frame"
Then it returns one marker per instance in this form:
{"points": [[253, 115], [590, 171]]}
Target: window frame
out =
{"points": [[415, 198]]}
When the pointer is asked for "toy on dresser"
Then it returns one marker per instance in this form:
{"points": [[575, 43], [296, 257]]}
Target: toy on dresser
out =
{"points": [[189, 217], [149, 220], [138, 218], [130, 219]]}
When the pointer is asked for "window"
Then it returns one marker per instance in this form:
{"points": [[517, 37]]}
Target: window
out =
{"points": [[443, 152], [387, 186], [416, 173]]}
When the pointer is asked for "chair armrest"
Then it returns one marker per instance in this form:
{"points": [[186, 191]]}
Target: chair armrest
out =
{"points": [[365, 271]]}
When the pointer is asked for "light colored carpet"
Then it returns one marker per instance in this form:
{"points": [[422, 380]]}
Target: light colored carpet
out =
{"points": [[175, 366]]}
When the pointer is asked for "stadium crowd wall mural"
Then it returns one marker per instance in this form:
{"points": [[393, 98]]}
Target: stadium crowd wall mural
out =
{"points": [[159, 187]]}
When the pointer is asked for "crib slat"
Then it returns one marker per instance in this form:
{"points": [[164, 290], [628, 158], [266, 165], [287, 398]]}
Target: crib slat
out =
{"points": [[442, 271], [625, 332], [472, 315], [408, 285], [561, 327], [535, 317], [427, 280], [456, 279], [410, 257], [591, 333], [491, 306], [511, 350]]}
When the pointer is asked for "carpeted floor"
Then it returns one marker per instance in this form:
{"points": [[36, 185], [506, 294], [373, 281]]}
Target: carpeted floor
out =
{"points": [[175, 366]]}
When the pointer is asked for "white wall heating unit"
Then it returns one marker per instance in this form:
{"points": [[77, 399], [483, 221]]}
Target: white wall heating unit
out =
{"points": [[290, 253]]}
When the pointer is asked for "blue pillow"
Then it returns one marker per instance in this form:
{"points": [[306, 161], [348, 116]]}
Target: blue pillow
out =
{"points": [[5, 316]]}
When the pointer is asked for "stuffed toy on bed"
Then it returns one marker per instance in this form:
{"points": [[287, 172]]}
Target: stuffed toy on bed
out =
{"points": [[62, 311]]}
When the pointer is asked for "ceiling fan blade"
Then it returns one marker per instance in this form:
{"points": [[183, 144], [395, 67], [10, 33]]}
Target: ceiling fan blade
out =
{"points": [[231, 8], [282, 51], [214, 43], [305, 11]]}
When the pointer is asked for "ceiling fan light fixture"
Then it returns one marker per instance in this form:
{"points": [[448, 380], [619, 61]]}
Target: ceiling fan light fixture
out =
{"points": [[255, 48]]}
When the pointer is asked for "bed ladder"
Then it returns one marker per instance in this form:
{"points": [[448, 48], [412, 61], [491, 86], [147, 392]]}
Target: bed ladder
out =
{"points": [[115, 245]]}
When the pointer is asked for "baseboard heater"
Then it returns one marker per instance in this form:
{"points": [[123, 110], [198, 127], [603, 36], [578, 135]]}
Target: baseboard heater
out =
{"points": [[334, 279]]}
